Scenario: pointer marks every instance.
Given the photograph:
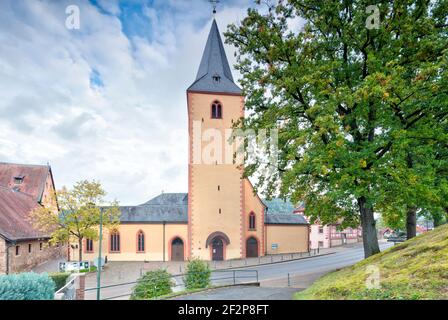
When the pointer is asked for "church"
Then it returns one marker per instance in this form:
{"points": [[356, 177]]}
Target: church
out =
{"points": [[220, 217]]}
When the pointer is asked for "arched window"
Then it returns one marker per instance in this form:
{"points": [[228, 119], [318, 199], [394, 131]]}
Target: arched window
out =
{"points": [[115, 242], [89, 245], [252, 221], [140, 241], [216, 110]]}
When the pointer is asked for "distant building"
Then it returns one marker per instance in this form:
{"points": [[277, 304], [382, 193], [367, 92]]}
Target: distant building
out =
{"points": [[328, 236], [22, 189]]}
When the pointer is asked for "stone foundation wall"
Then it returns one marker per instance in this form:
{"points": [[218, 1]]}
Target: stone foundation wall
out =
{"points": [[25, 260]]}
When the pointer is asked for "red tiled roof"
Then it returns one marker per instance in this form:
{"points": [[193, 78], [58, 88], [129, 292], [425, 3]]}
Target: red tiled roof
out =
{"points": [[15, 208], [34, 178]]}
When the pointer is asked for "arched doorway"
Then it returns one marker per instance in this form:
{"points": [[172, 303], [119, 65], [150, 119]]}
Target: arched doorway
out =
{"points": [[251, 247], [217, 249], [177, 249]]}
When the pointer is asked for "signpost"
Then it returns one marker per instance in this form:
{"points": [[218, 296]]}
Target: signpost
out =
{"points": [[74, 266]]}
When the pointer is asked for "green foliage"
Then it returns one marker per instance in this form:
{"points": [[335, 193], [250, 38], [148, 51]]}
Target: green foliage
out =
{"points": [[362, 114], [59, 278], [26, 286], [153, 284], [197, 274], [415, 269], [80, 214]]}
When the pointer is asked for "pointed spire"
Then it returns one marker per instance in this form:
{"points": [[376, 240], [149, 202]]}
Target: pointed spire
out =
{"points": [[214, 73]]}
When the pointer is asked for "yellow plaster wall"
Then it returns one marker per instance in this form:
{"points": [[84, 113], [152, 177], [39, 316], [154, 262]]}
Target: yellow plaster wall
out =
{"points": [[290, 238], [128, 243], [205, 199], [252, 203]]}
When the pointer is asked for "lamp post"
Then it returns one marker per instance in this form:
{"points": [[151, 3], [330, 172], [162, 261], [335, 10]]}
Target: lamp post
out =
{"points": [[98, 271]]}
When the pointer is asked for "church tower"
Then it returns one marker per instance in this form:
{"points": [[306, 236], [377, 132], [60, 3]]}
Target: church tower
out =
{"points": [[215, 188]]}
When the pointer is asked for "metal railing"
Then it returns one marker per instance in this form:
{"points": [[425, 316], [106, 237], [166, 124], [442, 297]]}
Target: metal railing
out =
{"points": [[218, 277], [68, 291]]}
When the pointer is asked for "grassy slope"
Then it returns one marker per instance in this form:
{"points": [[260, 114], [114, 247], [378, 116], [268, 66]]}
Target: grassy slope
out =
{"points": [[415, 269]]}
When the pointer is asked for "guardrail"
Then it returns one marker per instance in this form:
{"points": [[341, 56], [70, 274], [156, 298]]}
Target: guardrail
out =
{"points": [[68, 291], [218, 277]]}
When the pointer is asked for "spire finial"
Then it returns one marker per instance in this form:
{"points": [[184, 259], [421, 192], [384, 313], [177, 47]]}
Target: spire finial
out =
{"points": [[214, 3]]}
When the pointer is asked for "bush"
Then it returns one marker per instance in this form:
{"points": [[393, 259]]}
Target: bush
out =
{"points": [[197, 275], [153, 284], [59, 278], [26, 286]]}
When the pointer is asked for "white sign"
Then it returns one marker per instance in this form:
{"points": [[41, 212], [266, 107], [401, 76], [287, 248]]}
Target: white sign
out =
{"points": [[74, 266], [274, 246]]}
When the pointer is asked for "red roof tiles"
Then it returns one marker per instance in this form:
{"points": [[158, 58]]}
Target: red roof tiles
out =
{"points": [[34, 178], [15, 208]]}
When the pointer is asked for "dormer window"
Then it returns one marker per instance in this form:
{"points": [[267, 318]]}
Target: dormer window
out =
{"points": [[216, 78], [216, 110], [18, 179]]}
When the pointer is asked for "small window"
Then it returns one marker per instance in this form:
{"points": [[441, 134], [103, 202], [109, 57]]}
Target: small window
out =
{"points": [[30, 246], [321, 244], [219, 188], [40, 246], [216, 110], [17, 250], [321, 229], [216, 78], [18, 179], [115, 242], [89, 245], [252, 221], [140, 241], [219, 210]]}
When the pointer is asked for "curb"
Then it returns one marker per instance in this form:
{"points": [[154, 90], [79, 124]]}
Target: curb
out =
{"points": [[275, 262], [255, 284]]}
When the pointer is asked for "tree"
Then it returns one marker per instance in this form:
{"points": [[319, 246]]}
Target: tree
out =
{"points": [[79, 215], [346, 98]]}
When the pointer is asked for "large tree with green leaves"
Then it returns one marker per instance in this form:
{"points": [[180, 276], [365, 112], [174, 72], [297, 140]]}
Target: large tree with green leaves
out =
{"points": [[79, 216], [348, 92]]}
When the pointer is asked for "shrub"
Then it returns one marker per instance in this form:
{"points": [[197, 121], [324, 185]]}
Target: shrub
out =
{"points": [[197, 275], [153, 284], [59, 278], [26, 286]]}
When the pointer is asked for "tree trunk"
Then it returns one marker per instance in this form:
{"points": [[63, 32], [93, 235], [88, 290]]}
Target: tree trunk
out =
{"points": [[80, 249], [411, 223], [369, 235]]}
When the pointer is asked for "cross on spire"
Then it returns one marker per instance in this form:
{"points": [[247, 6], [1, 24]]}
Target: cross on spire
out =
{"points": [[214, 3]]}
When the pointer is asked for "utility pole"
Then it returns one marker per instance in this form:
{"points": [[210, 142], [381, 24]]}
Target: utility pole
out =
{"points": [[98, 270]]}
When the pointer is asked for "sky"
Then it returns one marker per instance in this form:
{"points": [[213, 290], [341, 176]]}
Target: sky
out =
{"points": [[106, 101]]}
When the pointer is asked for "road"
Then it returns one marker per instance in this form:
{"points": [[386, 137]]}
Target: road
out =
{"points": [[302, 272]]}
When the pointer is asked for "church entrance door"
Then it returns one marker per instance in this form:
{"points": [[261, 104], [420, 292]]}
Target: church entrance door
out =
{"points": [[251, 248], [217, 250], [177, 250]]}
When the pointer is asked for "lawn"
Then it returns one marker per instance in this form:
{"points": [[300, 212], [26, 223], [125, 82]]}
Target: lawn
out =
{"points": [[415, 269]]}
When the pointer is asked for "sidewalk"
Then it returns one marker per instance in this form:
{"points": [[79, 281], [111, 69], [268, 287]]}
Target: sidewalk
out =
{"points": [[127, 271]]}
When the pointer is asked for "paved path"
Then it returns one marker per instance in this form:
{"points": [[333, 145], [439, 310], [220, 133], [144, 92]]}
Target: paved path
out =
{"points": [[301, 273], [242, 293]]}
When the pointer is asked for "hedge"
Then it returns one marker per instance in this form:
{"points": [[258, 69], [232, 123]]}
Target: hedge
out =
{"points": [[26, 286], [59, 278], [197, 275], [153, 284]]}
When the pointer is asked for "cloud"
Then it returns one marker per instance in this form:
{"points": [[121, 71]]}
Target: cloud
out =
{"points": [[107, 101]]}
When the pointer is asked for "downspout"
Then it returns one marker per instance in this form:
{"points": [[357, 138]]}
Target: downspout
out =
{"points": [[12, 244], [164, 223], [265, 232]]}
